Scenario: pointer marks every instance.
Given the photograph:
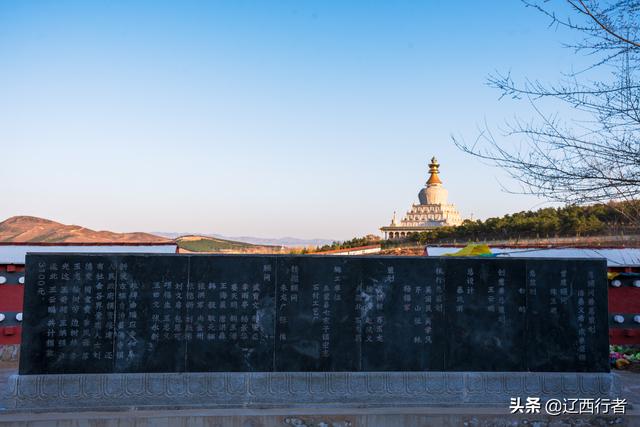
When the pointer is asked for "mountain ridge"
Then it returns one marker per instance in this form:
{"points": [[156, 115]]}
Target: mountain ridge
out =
{"points": [[32, 229]]}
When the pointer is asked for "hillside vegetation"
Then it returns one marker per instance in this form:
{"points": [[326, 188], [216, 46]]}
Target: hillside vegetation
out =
{"points": [[369, 239], [570, 221], [212, 244]]}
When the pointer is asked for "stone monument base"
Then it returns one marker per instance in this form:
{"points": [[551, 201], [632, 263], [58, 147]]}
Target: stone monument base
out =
{"points": [[337, 390], [365, 399]]}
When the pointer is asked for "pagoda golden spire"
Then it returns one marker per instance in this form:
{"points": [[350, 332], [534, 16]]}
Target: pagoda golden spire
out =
{"points": [[434, 170]]}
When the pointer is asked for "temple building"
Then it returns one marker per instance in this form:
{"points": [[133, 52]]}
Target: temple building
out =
{"points": [[431, 212]]}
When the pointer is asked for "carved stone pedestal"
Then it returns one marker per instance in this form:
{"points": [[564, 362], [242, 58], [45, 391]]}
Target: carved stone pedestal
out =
{"points": [[293, 389]]}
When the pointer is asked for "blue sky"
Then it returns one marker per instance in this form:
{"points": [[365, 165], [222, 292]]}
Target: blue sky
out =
{"points": [[265, 118]]}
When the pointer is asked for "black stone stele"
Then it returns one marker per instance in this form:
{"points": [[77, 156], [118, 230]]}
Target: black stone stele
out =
{"points": [[134, 313]]}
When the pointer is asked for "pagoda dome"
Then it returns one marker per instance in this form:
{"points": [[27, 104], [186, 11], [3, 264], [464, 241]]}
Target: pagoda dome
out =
{"points": [[435, 195]]}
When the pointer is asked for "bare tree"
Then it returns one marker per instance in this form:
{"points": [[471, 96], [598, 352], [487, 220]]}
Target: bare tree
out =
{"points": [[591, 154]]}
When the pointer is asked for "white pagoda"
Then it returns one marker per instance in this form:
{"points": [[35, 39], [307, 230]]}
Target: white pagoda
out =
{"points": [[432, 212]]}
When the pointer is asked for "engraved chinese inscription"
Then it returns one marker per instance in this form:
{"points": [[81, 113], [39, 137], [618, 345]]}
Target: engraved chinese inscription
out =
{"points": [[101, 313]]}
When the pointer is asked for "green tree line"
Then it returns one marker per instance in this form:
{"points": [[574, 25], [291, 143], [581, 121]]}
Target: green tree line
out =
{"points": [[569, 221], [369, 239]]}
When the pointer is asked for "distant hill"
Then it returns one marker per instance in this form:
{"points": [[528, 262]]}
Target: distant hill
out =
{"points": [[263, 241], [197, 243], [30, 229]]}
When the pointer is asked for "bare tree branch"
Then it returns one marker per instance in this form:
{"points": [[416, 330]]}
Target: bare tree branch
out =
{"points": [[584, 9], [588, 150]]}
